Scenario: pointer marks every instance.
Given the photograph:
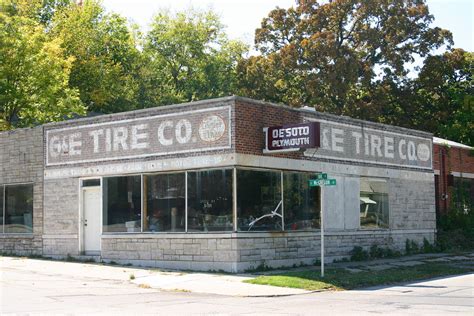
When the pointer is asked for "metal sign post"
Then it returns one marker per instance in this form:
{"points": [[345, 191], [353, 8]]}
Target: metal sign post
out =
{"points": [[322, 181], [322, 231]]}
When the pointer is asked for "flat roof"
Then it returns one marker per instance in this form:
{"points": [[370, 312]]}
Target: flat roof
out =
{"points": [[447, 142]]}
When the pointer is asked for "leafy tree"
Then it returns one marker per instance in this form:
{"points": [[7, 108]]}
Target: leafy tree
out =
{"points": [[339, 55], [34, 73], [444, 93], [189, 58], [106, 59]]}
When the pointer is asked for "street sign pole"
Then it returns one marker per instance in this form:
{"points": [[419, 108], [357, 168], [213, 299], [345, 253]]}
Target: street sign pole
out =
{"points": [[322, 230], [322, 181]]}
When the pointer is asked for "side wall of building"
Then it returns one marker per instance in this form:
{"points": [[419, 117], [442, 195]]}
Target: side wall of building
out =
{"points": [[452, 163], [21, 162]]}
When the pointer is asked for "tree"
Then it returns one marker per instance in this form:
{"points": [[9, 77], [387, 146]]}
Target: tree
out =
{"points": [[336, 55], [189, 58], [106, 65], [445, 96], [34, 73]]}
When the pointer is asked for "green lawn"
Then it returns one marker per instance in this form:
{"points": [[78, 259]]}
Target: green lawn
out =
{"points": [[340, 279]]}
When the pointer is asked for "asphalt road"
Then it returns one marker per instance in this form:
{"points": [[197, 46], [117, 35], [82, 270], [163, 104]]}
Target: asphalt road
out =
{"points": [[29, 289]]}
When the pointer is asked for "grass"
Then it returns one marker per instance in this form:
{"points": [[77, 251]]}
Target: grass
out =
{"points": [[340, 279]]}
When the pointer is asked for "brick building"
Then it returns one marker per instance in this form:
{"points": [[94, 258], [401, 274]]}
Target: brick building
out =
{"points": [[199, 186], [453, 165]]}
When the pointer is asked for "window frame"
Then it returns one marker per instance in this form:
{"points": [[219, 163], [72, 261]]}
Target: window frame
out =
{"points": [[185, 172], [386, 180], [234, 170], [102, 178], [4, 189]]}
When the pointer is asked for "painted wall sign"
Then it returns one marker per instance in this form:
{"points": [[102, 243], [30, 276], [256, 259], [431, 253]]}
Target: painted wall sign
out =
{"points": [[358, 143], [292, 137], [190, 131]]}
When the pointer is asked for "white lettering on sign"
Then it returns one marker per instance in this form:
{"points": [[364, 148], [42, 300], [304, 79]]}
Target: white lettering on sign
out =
{"points": [[75, 144], [138, 135], [337, 139], [388, 147], [183, 131], [401, 150], [197, 130], [366, 144], [161, 133]]}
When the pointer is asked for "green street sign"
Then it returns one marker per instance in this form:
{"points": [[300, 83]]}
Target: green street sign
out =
{"points": [[322, 182], [321, 176]]}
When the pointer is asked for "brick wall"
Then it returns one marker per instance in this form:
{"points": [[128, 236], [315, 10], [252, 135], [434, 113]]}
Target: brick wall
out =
{"points": [[446, 161], [250, 120], [21, 161], [456, 159]]}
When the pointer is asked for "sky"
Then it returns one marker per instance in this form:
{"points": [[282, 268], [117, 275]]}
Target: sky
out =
{"points": [[242, 17]]}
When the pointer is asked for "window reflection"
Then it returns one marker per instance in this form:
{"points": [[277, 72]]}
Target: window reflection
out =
{"points": [[122, 204], [374, 212], [18, 208], [165, 202], [210, 200], [1, 208], [302, 202], [259, 200]]}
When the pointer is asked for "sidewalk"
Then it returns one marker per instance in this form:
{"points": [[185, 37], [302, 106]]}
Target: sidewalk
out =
{"points": [[210, 283], [384, 264]]}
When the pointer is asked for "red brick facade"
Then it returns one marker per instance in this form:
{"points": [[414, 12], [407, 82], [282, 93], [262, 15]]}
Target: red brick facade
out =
{"points": [[450, 163], [252, 118]]}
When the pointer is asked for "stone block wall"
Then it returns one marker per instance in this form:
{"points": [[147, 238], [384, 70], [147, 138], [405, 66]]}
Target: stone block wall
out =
{"points": [[61, 217], [21, 161], [412, 204], [238, 252]]}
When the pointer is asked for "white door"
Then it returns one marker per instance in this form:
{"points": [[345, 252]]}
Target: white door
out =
{"points": [[91, 219]]}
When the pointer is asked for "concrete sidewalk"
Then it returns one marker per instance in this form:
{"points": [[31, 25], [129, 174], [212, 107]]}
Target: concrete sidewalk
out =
{"points": [[208, 283]]}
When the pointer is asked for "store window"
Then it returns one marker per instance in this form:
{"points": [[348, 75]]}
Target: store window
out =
{"points": [[2, 214], [122, 204], [463, 194], [18, 203], [164, 202], [210, 200], [302, 202], [259, 204], [374, 209]]}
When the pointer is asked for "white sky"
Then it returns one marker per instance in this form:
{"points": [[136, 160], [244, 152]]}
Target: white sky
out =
{"points": [[242, 17]]}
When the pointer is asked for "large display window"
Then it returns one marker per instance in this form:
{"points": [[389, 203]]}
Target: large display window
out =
{"points": [[203, 201], [164, 202], [302, 203], [374, 208], [122, 200], [18, 208], [2, 214], [210, 200], [259, 200]]}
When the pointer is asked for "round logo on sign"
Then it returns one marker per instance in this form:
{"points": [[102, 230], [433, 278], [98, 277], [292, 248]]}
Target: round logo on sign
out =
{"points": [[211, 128], [423, 152]]}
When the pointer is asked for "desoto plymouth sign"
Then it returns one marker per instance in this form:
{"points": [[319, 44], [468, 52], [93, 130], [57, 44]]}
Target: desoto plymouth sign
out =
{"points": [[291, 137]]}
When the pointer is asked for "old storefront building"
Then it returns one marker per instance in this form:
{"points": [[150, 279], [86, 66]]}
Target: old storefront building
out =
{"points": [[220, 184]]}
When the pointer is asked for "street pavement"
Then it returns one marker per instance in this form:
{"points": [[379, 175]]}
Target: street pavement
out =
{"points": [[45, 287]]}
